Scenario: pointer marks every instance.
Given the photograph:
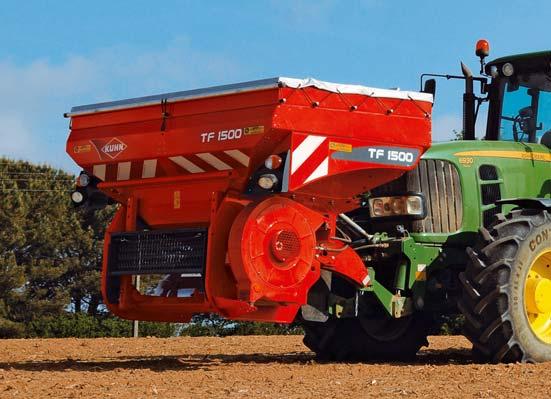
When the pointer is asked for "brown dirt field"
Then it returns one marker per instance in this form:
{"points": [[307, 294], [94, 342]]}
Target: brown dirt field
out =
{"points": [[248, 367]]}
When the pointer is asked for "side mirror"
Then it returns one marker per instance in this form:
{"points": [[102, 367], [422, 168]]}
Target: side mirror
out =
{"points": [[546, 139], [430, 87]]}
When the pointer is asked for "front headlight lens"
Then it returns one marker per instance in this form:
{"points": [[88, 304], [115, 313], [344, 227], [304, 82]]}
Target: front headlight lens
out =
{"points": [[377, 207], [397, 206], [404, 205], [415, 205]]}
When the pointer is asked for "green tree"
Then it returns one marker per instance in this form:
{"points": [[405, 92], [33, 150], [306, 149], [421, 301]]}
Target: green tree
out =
{"points": [[48, 252], [12, 238], [50, 259], [82, 279]]}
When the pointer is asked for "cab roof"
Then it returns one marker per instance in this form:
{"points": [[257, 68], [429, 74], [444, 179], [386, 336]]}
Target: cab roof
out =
{"points": [[525, 62]]}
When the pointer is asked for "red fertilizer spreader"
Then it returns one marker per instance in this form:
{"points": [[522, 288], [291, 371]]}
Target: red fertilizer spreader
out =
{"points": [[231, 194]]}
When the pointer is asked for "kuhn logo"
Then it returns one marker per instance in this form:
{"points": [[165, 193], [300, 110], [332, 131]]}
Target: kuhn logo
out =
{"points": [[113, 148]]}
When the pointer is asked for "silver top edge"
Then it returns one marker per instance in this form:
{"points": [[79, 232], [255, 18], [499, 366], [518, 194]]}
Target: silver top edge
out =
{"points": [[174, 96]]}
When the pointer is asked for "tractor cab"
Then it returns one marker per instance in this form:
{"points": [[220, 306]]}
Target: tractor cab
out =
{"points": [[518, 90], [520, 98]]}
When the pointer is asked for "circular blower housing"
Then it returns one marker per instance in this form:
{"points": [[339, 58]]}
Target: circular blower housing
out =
{"points": [[271, 248]]}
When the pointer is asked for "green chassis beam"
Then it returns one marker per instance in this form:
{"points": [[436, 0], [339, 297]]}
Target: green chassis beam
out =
{"points": [[411, 277]]}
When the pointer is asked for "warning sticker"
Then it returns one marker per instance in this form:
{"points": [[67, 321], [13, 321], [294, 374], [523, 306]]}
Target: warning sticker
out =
{"points": [[79, 149], [343, 147], [421, 273], [248, 131]]}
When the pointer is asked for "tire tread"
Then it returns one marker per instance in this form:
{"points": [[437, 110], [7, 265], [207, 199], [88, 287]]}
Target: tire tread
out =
{"points": [[485, 281]]}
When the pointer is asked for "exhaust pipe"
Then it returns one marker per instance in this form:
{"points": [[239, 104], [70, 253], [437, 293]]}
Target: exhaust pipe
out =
{"points": [[468, 105]]}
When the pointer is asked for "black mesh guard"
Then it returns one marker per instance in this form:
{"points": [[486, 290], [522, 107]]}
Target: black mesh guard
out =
{"points": [[158, 252]]}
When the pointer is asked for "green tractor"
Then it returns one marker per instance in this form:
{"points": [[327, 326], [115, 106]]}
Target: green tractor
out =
{"points": [[480, 248]]}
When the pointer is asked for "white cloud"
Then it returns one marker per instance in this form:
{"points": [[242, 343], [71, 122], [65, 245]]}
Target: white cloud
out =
{"points": [[15, 136], [35, 95], [305, 14]]}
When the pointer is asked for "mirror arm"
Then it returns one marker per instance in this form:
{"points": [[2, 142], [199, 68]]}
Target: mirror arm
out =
{"points": [[448, 77]]}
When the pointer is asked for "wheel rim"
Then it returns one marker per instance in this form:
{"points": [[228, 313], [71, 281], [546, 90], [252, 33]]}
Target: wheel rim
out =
{"points": [[537, 296]]}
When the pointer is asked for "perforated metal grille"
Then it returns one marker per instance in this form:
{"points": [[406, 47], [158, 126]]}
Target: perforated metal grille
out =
{"points": [[439, 181], [286, 245], [158, 252]]}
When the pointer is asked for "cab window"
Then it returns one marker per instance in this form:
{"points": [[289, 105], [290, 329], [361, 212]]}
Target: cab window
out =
{"points": [[525, 114]]}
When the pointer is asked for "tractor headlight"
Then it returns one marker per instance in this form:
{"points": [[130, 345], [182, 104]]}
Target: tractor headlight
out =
{"points": [[508, 69], [404, 205], [415, 205]]}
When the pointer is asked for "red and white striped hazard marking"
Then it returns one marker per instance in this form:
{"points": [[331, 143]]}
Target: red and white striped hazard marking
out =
{"points": [[207, 162], [309, 159], [194, 163], [186, 164]]}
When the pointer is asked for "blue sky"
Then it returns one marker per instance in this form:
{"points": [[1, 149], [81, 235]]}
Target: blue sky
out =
{"points": [[55, 54]]}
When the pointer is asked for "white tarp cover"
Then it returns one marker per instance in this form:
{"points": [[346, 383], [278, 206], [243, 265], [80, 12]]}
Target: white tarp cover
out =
{"points": [[355, 89]]}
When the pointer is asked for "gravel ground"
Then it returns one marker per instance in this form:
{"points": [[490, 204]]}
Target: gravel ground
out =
{"points": [[248, 367]]}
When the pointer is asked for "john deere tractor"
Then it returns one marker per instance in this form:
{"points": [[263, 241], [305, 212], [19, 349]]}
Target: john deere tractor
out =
{"points": [[481, 246]]}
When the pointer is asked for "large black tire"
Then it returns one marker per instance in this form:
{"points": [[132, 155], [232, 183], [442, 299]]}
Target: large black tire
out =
{"points": [[354, 339], [493, 299]]}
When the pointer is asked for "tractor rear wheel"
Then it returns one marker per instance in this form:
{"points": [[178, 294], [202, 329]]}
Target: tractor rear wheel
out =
{"points": [[506, 297], [366, 338]]}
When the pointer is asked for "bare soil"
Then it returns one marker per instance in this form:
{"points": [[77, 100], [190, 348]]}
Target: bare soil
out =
{"points": [[249, 367]]}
